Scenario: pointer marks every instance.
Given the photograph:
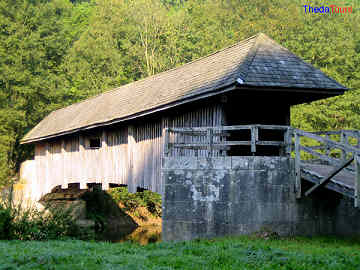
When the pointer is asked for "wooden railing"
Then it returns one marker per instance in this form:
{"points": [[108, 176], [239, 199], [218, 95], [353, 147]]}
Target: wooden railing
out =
{"points": [[348, 137], [349, 159], [213, 139], [325, 149]]}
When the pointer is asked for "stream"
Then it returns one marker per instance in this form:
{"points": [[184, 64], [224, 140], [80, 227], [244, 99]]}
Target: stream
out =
{"points": [[142, 235]]}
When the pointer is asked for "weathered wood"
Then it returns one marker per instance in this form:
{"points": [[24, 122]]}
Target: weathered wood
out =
{"points": [[327, 178], [166, 141], [331, 161], [229, 128], [210, 142], [64, 184], [343, 140], [330, 143], [204, 145], [131, 142], [297, 167], [330, 185], [357, 181], [105, 170], [132, 159], [288, 141], [327, 148], [82, 159], [270, 143], [352, 133], [254, 138], [216, 132]]}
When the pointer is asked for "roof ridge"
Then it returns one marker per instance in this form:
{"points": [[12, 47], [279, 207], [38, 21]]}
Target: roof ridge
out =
{"points": [[252, 53], [159, 74]]}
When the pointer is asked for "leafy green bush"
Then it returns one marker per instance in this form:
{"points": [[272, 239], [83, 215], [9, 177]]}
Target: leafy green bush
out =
{"points": [[152, 201], [131, 201], [50, 223], [28, 223]]}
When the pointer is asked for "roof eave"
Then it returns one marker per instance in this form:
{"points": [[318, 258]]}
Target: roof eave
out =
{"points": [[182, 101], [326, 91]]}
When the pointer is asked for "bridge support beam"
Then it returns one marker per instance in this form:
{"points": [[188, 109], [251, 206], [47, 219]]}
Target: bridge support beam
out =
{"points": [[326, 179]]}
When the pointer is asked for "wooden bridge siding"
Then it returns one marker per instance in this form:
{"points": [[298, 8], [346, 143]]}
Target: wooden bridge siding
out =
{"points": [[203, 117], [148, 148], [129, 155], [145, 154], [116, 156]]}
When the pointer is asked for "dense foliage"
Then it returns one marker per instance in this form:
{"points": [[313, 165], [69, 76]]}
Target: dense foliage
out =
{"points": [[28, 223], [231, 253], [131, 201], [54, 53]]}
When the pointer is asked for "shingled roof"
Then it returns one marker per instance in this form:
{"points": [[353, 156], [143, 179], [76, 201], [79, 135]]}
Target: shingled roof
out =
{"points": [[257, 61]]}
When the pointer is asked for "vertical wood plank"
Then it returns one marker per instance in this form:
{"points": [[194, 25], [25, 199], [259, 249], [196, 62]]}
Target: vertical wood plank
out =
{"points": [[105, 161], [297, 166], [47, 167], [131, 142], [64, 184], [357, 180], [166, 141], [82, 171]]}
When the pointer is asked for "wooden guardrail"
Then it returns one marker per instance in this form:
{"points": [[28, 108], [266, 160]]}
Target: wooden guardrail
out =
{"points": [[212, 139], [348, 137]]}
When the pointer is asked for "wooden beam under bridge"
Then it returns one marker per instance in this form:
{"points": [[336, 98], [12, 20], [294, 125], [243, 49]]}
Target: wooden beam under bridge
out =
{"points": [[326, 179]]}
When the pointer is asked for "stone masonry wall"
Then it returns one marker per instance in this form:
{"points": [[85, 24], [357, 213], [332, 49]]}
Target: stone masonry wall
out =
{"points": [[208, 197]]}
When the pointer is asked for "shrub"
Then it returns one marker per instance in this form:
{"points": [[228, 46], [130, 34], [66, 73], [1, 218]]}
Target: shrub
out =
{"points": [[152, 201], [131, 201], [28, 223]]}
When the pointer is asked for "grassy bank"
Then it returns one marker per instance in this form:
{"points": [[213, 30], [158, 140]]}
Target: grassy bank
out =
{"points": [[235, 253]]}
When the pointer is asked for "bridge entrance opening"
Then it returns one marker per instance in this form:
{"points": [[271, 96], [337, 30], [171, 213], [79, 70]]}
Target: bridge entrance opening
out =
{"points": [[240, 109]]}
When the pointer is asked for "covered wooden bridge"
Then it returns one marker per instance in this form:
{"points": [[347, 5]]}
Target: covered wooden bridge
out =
{"points": [[118, 137]]}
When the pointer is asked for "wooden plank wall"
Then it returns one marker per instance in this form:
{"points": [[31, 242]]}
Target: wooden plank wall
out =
{"points": [[202, 117], [146, 156], [130, 155]]}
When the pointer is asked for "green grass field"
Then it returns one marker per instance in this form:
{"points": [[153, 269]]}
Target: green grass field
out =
{"points": [[226, 253]]}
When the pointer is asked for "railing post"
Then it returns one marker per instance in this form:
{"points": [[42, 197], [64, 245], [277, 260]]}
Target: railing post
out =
{"points": [[287, 142], [297, 166], [357, 180], [210, 141], [254, 138], [343, 140]]}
